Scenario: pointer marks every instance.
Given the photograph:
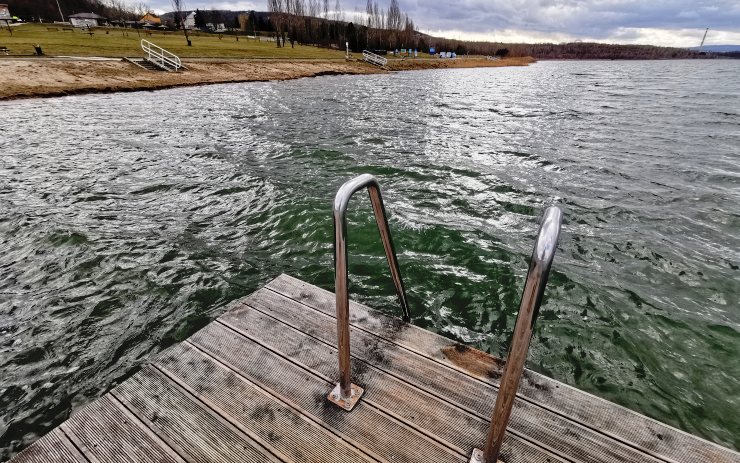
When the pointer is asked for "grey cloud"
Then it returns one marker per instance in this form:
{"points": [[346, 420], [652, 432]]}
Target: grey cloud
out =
{"points": [[596, 18]]}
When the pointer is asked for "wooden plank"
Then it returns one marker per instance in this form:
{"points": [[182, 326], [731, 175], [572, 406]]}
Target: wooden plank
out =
{"points": [[443, 422], [366, 428], [103, 432], [252, 387], [648, 435], [538, 425], [276, 422], [197, 434], [54, 447]]}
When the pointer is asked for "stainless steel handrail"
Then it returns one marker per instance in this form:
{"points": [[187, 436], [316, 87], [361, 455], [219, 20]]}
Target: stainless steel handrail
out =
{"points": [[529, 307], [346, 394]]}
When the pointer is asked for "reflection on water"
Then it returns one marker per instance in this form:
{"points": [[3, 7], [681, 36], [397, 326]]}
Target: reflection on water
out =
{"points": [[131, 220]]}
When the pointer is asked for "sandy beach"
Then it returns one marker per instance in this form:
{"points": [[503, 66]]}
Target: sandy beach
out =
{"points": [[29, 78]]}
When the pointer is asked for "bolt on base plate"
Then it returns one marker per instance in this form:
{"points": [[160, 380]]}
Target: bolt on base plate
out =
{"points": [[478, 457], [347, 405]]}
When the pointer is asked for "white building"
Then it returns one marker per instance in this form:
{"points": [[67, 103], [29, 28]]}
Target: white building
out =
{"points": [[220, 27], [190, 21], [85, 19], [4, 12]]}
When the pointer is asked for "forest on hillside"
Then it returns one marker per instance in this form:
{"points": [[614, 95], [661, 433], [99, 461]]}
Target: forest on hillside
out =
{"points": [[573, 50], [47, 10]]}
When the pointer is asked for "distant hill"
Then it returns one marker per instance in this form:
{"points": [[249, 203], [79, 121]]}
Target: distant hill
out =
{"points": [[579, 50], [47, 10], [718, 48]]}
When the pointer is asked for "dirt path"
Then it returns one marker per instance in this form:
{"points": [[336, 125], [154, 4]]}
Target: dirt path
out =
{"points": [[21, 78]]}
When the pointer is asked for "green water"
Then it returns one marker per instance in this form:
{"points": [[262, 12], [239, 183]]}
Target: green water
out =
{"points": [[129, 221]]}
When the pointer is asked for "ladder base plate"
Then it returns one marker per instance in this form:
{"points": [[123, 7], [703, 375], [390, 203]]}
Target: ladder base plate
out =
{"points": [[335, 397], [477, 457]]}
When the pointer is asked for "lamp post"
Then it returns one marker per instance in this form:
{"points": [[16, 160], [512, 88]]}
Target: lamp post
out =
{"points": [[60, 11]]}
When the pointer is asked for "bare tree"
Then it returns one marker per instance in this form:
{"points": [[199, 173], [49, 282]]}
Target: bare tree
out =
{"points": [[383, 24], [313, 13], [178, 6], [337, 14], [216, 18], [394, 16], [316, 22], [409, 35], [278, 16], [243, 21]]}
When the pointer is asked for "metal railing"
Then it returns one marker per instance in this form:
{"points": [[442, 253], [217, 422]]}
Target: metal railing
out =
{"points": [[529, 307], [160, 56], [346, 394], [372, 58]]}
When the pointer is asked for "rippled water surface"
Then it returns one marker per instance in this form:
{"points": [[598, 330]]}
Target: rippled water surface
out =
{"points": [[129, 221]]}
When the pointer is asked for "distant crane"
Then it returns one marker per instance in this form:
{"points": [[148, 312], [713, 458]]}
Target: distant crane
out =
{"points": [[703, 39]]}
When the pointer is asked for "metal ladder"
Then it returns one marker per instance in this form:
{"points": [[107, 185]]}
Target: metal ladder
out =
{"points": [[346, 395], [160, 57], [372, 58]]}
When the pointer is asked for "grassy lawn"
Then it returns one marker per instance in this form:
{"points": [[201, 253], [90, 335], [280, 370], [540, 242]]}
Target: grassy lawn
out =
{"points": [[116, 42]]}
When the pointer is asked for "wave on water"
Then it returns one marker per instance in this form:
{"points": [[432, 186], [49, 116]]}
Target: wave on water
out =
{"points": [[131, 220]]}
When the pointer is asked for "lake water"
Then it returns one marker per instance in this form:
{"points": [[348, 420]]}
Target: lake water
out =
{"points": [[128, 221]]}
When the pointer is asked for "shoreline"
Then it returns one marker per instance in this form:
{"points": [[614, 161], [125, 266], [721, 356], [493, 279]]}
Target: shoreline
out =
{"points": [[24, 78]]}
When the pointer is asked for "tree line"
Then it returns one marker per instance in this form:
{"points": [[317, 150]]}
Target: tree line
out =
{"points": [[573, 50], [319, 22]]}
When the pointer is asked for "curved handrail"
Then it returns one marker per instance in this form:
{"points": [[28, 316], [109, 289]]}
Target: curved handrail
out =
{"points": [[347, 394], [529, 307]]}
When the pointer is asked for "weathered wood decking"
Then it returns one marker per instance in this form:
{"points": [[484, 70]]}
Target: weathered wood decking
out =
{"points": [[252, 387]]}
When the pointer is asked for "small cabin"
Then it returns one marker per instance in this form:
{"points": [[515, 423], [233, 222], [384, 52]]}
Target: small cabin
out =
{"points": [[151, 18], [86, 19], [5, 12]]}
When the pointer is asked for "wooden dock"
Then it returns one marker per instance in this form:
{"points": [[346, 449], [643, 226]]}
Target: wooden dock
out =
{"points": [[252, 387]]}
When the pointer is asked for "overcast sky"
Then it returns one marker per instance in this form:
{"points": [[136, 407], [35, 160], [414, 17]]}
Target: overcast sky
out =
{"points": [[658, 22]]}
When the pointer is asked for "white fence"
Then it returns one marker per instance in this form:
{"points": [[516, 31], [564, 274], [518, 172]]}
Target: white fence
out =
{"points": [[160, 56]]}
